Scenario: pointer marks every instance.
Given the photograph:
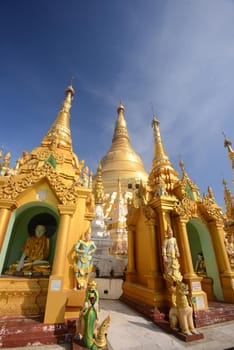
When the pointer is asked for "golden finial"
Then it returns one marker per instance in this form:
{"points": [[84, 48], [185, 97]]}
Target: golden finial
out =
{"points": [[227, 143], [181, 163], [120, 107], [155, 123], [70, 89]]}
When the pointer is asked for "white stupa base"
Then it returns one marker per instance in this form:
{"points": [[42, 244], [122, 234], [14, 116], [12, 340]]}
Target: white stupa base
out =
{"points": [[109, 288]]}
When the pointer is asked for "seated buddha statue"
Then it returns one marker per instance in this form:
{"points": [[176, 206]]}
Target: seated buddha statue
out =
{"points": [[200, 267], [34, 257]]}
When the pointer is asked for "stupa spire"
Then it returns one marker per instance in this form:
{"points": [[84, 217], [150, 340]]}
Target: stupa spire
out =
{"points": [[121, 131], [228, 145], [160, 156], [161, 169], [59, 135]]}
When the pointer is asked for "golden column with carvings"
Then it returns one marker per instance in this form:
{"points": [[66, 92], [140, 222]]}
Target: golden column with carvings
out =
{"points": [[6, 208]]}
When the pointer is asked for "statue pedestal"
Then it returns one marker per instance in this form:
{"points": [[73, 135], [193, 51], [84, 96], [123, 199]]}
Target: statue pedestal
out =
{"points": [[22, 296], [164, 325]]}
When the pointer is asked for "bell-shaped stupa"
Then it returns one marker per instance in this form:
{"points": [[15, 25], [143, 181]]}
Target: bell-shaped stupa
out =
{"points": [[121, 161]]}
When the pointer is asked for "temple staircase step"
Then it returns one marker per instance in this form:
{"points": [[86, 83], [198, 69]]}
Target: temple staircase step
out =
{"points": [[217, 312], [25, 331]]}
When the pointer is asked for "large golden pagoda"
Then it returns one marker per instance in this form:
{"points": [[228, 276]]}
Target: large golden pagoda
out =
{"points": [[47, 187], [121, 161]]}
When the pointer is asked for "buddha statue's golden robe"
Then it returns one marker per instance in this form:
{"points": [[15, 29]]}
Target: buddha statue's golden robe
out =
{"points": [[35, 253]]}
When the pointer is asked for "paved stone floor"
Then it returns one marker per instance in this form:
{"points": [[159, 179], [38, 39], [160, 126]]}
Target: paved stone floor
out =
{"points": [[130, 331]]}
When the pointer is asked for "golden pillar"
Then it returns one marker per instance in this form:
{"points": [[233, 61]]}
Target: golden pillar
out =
{"points": [[219, 247], [226, 273], [62, 237], [185, 255], [57, 295], [6, 208], [153, 242], [154, 276], [198, 296], [131, 270], [131, 251]]}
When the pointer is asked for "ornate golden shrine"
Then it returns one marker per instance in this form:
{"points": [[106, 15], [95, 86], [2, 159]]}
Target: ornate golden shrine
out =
{"points": [[197, 223], [49, 180]]}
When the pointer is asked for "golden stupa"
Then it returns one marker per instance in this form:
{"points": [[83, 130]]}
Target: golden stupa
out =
{"points": [[121, 161]]}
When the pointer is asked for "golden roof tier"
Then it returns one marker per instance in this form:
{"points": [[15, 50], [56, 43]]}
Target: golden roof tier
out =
{"points": [[121, 161], [56, 147]]}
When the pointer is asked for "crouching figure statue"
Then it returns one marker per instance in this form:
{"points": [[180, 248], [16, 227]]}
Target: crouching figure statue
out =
{"points": [[181, 313]]}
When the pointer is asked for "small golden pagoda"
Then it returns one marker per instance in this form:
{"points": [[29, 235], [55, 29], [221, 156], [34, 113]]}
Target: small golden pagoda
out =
{"points": [[47, 188], [169, 203], [118, 227]]}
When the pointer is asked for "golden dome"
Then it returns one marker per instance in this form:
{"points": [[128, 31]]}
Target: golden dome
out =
{"points": [[121, 161]]}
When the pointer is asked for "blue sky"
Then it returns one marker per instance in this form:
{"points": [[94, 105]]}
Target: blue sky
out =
{"points": [[174, 58]]}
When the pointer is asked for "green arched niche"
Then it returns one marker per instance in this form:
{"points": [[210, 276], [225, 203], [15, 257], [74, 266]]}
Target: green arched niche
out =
{"points": [[200, 241], [18, 232]]}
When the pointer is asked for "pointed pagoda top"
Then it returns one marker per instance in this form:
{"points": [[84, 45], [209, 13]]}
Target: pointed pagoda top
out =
{"points": [[161, 165], [161, 160], [59, 135], [181, 163], [121, 130], [227, 143]]}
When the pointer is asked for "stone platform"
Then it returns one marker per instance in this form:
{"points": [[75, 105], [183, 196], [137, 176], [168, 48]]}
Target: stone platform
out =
{"points": [[217, 312]]}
